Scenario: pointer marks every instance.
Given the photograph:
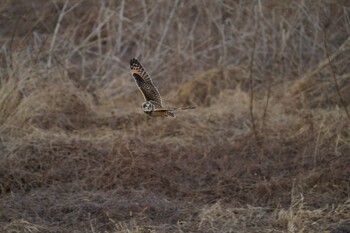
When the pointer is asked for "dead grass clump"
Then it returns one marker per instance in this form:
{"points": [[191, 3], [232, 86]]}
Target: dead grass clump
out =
{"points": [[21, 226], [317, 89], [10, 98], [202, 89], [40, 102], [44, 159], [78, 154], [221, 218], [64, 107], [298, 217]]}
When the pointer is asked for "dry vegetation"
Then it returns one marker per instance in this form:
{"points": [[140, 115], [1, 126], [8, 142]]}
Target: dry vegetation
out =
{"points": [[267, 148]]}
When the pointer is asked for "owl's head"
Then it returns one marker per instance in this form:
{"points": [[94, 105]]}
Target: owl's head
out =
{"points": [[147, 106]]}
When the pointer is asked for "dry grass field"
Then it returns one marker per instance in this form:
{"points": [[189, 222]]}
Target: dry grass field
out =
{"points": [[267, 148]]}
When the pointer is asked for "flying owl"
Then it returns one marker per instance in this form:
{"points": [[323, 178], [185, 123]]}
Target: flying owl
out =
{"points": [[153, 101]]}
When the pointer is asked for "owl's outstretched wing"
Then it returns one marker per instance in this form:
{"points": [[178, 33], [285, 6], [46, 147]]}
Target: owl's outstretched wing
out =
{"points": [[144, 82]]}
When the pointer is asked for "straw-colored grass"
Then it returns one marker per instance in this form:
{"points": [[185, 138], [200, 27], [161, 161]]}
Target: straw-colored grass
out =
{"points": [[78, 155]]}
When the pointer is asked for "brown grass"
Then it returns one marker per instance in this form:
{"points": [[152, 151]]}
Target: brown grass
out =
{"points": [[78, 155]]}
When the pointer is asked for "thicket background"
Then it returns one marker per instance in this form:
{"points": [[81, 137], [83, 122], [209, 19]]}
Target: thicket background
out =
{"points": [[267, 148]]}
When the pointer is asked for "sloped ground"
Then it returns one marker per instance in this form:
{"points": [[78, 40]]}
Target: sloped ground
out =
{"points": [[266, 149]]}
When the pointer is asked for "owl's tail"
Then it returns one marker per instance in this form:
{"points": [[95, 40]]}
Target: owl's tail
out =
{"points": [[188, 107], [170, 114], [181, 109], [170, 111]]}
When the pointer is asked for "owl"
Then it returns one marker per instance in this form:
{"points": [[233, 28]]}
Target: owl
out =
{"points": [[152, 105]]}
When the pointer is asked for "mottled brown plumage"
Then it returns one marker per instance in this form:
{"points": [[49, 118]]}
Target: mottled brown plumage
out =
{"points": [[153, 104], [144, 82]]}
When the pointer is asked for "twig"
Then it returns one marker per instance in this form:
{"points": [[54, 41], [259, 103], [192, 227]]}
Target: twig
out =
{"points": [[167, 27], [269, 85], [55, 32], [334, 74], [11, 42], [41, 48], [120, 25], [93, 33], [251, 65]]}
